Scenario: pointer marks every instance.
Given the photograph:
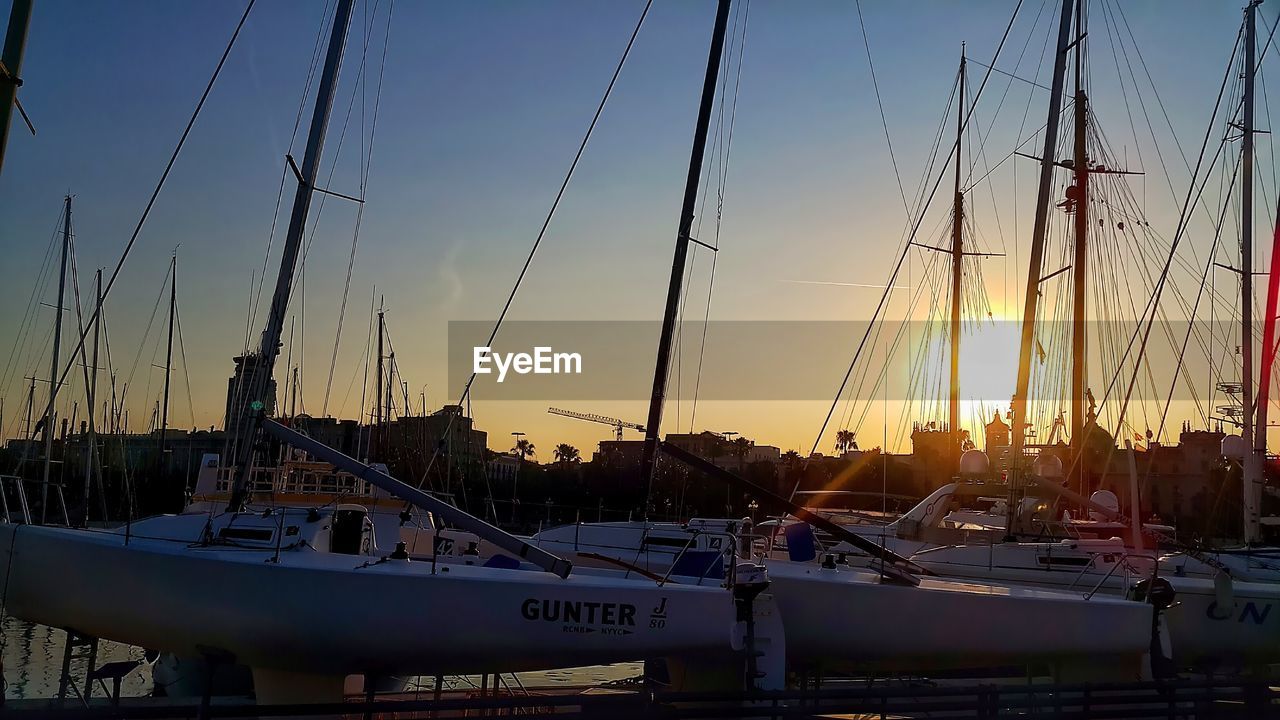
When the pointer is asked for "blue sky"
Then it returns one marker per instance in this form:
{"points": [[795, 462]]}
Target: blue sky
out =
{"points": [[482, 107]]}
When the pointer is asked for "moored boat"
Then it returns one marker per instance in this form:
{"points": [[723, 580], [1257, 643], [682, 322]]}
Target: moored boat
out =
{"points": [[306, 597]]}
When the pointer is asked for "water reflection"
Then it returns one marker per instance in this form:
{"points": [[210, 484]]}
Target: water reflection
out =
{"points": [[32, 661]]}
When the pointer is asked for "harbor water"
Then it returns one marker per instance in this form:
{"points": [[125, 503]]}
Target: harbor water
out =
{"points": [[32, 663]]}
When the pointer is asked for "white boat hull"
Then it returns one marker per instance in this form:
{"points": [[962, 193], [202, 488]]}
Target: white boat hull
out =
{"points": [[1205, 630], [332, 614], [850, 618]]}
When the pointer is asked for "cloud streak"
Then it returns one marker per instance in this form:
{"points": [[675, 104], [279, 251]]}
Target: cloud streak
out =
{"points": [[878, 286]]}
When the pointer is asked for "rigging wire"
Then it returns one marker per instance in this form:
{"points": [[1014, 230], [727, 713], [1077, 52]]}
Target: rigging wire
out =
{"points": [[546, 223], [75, 290], [33, 302], [866, 44], [723, 179], [1149, 314], [133, 369], [366, 162], [704, 190], [907, 245], [1191, 319], [872, 325], [316, 53], [186, 372], [155, 194]]}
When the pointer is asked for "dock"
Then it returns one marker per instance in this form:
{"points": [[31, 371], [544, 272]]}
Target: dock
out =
{"points": [[1202, 698]]}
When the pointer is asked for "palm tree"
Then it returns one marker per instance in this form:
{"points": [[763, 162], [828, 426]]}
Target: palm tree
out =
{"points": [[716, 450], [741, 446], [524, 448], [791, 458], [567, 454], [845, 442]]}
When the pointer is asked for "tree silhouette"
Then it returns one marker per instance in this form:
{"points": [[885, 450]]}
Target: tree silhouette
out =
{"points": [[740, 448], [567, 454], [845, 442], [524, 448]]}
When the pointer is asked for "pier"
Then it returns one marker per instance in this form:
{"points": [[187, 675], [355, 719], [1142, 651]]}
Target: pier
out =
{"points": [[1203, 698]]}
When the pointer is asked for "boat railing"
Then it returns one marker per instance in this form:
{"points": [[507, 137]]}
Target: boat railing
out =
{"points": [[296, 481], [656, 552], [18, 487], [11, 480], [1098, 585], [693, 538], [728, 549]]}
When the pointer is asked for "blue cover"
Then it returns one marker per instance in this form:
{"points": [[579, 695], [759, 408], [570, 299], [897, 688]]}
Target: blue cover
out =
{"points": [[700, 564], [801, 544], [502, 561]]}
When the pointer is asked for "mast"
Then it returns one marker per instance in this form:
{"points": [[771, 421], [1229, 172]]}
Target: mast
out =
{"points": [[115, 415], [389, 396], [957, 268], [1079, 264], [1037, 249], [57, 347], [1252, 465], [662, 366], [15, 41], [377, 392], [260, 376], [168, 359], [91, 444], [31, 399]]}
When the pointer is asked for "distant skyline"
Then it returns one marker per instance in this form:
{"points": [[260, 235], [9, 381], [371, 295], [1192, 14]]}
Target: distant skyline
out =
{"points": [[482, 107]]}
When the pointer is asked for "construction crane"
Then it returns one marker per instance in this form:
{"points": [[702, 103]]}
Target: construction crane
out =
{"points": [[617, 424]]}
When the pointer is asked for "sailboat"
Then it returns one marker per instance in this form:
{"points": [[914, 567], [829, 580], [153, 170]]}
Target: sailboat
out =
{"points": [[1226, 600], [835, 614], [308, 596]]}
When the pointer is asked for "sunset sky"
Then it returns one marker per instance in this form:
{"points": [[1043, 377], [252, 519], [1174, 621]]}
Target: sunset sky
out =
{"points": [[483, 105]]}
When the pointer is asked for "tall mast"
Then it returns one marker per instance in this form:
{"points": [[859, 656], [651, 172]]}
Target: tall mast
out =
{"points": [[31, 399], [1252, 465], [168, 359], [1037, 247], [957, 268], [115, 415], [15, 41], [57, 347], [91, 444], [377, 392], [260, 375], [1079, 264], [663, 364], [389, 396], [289, 367]]}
